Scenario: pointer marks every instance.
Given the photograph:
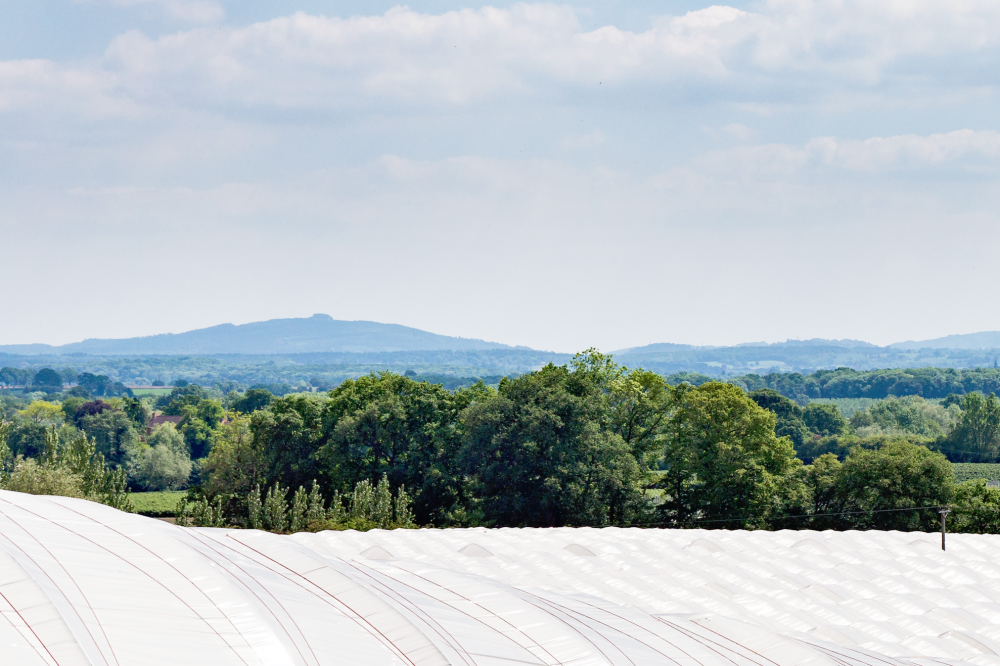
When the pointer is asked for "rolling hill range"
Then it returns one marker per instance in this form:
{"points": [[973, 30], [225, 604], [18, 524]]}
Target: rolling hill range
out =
{"points": [[984, 340], [325, 351], [319, 333]]}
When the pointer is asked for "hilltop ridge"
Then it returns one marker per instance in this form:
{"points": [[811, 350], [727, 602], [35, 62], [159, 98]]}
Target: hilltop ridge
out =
{"points": [[319, 333]]}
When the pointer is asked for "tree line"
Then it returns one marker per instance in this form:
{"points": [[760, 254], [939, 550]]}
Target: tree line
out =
{"points": [[587, 443], [898, 382]]}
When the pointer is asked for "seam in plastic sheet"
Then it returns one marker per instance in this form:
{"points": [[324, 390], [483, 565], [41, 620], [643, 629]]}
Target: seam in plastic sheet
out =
{"points": [[67, 611], [180, 575], [359, 618]]}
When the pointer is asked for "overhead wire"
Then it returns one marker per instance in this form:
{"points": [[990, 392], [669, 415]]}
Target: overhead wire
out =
{"points": [[937, 507]]}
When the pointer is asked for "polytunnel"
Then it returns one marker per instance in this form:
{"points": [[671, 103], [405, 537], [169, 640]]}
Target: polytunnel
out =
{"points": [[81, 583]]}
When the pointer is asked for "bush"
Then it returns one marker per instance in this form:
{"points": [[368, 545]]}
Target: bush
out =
{"points": [[73, 469], [910, 415], [35, 479], [163, 463]]}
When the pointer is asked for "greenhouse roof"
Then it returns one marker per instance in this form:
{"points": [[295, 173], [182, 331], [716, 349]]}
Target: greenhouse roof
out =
{"points": [[81, 583]]}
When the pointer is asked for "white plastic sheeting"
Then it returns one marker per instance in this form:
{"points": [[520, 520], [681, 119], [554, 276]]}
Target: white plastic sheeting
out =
{"points": [[81, 583]]}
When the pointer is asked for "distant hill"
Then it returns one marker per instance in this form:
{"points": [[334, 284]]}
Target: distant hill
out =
{"points": [[319, 333], [657, 347], [984, 340], [672, 347]]}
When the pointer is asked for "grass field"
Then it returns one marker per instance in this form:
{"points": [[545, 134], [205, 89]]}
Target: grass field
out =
{"points": [[158, 504], [966, 471], [847, 406], [153, 391]]}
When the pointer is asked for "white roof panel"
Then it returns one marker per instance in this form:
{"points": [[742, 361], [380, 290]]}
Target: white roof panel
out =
{"points": [[81, 583]]}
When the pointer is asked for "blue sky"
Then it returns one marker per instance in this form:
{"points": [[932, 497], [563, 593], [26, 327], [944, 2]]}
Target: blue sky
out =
{"points": [[560, 176]]}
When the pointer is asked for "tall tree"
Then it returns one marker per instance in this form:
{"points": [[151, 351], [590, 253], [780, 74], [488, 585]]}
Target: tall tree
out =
{"points": [[254, 399], [539, 454], [885, 485], [407, 430], [824, 419], [724, 462], [47, 379], [289, 434], [976, 436], [789, 421], [636, 402]]}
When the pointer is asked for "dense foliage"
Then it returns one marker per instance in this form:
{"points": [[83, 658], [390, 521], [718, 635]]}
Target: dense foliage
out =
{"points": [[848, 383], [590, 442], [71, 469]]}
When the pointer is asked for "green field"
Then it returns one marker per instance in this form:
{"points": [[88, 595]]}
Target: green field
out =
{"points": [[153, 391], [157, 505], [847, 406], [966, 471]]}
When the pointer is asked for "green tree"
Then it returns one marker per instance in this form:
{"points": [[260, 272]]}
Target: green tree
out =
{"points": [[201, 417], [253, 400], [824, 419], [138, 411], [163, 462], [96, 384], [6, 457], [27, 439], [538, 454], [977, 508], [976, 435], [723, 461], [30, 476], [821, 479], [236, 464], [288, 435], [113, 432], [910, 415], [70, 406], [42, 412], [276, 509], [75, 469], [186, 394], [47, 380], [636, 402], [789, 421], [878, 483], [388, 424]]}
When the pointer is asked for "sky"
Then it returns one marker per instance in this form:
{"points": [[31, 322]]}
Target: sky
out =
{"points": [[560, 176]]}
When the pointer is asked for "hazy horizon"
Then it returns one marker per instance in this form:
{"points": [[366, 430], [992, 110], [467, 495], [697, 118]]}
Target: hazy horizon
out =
{"points": [[446, 334]]}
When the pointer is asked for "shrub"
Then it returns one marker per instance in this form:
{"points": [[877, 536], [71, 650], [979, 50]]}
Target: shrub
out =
{"points": [[163, 463], [33, 478]]}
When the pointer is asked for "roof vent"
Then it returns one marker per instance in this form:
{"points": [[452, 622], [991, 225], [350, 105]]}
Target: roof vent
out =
{"points": [[475, 550], [577, 549], [376, 553], [704, 544]]}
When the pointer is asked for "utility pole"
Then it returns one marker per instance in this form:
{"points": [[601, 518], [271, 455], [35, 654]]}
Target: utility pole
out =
{"points": [[944, 527]]}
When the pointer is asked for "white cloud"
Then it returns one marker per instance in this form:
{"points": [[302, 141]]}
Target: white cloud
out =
{"points": [[42, 84], [786, 50], [966, 148], [879, 153]]}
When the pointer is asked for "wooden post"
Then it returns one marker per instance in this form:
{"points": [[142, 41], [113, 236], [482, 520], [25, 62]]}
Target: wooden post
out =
{"points": [[944, 528]]}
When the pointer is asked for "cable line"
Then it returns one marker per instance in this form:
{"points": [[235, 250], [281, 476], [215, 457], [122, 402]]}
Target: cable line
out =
{"points": [[936, 507]]}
